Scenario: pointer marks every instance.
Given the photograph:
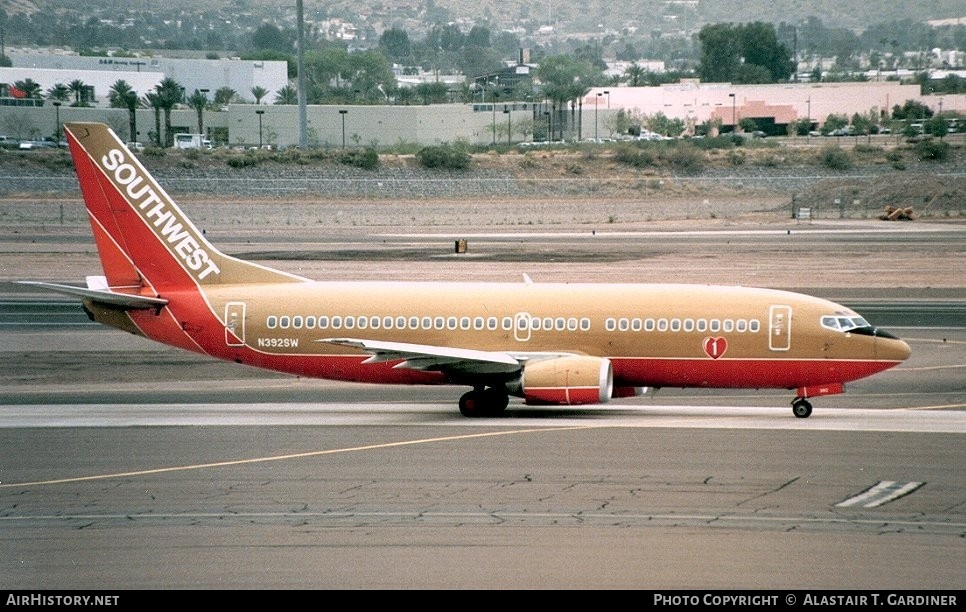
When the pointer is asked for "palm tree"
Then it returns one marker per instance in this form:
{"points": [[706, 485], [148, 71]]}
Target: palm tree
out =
{"points": [[118, 95], [58, 92], [170, 93], [634, 75], [287, 95], [30, 88], [78, 87], [198, 101], [122, 95], [224, 95], [154, 99], [259, 93]]}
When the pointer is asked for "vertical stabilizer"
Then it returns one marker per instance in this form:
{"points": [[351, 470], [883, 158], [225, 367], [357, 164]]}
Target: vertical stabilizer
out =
{"points": [[143, 237]]}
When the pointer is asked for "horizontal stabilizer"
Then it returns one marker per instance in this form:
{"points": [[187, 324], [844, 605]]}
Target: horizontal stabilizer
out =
{"points": [[124, 300]]}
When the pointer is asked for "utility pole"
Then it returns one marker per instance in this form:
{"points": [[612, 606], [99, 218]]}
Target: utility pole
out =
{"points": [[300, 62]]}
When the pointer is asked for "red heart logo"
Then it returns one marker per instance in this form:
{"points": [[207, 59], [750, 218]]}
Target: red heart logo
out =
{"points": [[715, 347]]}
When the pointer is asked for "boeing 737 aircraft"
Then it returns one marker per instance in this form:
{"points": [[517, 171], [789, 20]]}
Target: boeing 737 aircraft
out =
{"points": [[548, 343]]}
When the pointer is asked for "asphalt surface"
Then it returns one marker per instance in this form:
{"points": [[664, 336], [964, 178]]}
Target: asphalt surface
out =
{"points": [[129, 465]]}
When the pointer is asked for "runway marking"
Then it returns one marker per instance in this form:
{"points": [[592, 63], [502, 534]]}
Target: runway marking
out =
{"points": [[932, 368], [555, 518], [937, 407], [333, 451], [881, 493]]}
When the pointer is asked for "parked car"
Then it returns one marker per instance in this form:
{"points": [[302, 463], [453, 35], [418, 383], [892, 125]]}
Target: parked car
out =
{"points": [[28, 145], [136, 147]]}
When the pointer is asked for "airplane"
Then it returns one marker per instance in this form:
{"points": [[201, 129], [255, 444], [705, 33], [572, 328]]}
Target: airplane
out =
{"points": [[547, 343]]}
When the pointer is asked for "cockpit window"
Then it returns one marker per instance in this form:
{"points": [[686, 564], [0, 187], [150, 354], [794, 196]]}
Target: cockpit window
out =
{"points": [[844, 324]]}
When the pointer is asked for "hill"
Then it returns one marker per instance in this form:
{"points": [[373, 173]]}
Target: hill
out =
{"points": [[592, 17]]}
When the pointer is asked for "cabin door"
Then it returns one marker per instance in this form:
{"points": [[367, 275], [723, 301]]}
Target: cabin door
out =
{"points": [[521, 326], [235, 323], [780, 327]]}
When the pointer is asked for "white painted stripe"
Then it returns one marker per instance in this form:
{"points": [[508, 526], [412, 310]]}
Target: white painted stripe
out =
{"points": [[881, 493]]}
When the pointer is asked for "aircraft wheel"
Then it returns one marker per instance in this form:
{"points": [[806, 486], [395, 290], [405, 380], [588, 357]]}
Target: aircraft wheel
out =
{"points": [[473, 404], [801, 408], [496, 401]]}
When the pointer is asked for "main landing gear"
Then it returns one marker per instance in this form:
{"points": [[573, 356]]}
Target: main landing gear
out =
{"points": [[801, 407], [484, 402]]}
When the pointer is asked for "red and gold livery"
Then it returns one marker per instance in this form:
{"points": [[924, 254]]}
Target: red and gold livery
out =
{"points": [[549, 343]]}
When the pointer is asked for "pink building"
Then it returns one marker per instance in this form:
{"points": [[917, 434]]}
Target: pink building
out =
{"points": [[693, 101]]}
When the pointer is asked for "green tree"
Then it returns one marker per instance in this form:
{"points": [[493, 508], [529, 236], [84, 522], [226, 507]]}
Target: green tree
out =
{"points": [[78, 89], [335, 75], [634, 75], [760, 47], [59, 92], [154, 99], [269, 37], [224, 96], [834, 122], [911, 110], [170, 93], [30, 87], [564, 79], [118, 95], [748, 53], [432, 93], [395, 44], [720, 53], [199, 101], [287, 95], [259, 92]]}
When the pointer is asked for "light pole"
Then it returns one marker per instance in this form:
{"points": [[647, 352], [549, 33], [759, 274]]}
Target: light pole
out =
{"points": [[201, 112], [132, 106], [607, 93], [493, 123], [808, 128], [57, 130], [941, 126], [343, 112], [259, 113], [734, 125], [596, 106], [547, 113], [506, 111]]}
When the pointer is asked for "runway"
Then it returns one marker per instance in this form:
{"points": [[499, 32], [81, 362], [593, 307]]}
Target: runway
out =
{"points": [[128, 465], [196, 478]]}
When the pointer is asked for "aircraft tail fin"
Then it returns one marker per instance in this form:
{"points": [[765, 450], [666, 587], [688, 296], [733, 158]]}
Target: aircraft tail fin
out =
{"points": [[145, 241]]}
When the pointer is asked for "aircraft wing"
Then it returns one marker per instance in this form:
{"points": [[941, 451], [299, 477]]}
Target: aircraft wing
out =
{"points": [[103, 296], [430, 357]]}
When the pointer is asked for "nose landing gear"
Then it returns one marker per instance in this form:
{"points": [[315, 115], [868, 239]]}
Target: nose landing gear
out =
{"points": [[801, 408]]}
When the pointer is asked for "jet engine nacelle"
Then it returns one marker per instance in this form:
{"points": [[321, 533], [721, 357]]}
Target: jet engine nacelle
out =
{"points": [[575, 379]]}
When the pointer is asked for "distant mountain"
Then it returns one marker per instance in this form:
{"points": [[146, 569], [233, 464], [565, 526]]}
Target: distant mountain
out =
{"points": [[586, 16]]}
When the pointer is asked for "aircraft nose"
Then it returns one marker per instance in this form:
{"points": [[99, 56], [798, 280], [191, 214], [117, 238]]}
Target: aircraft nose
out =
{"points": [[893, 349]]}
